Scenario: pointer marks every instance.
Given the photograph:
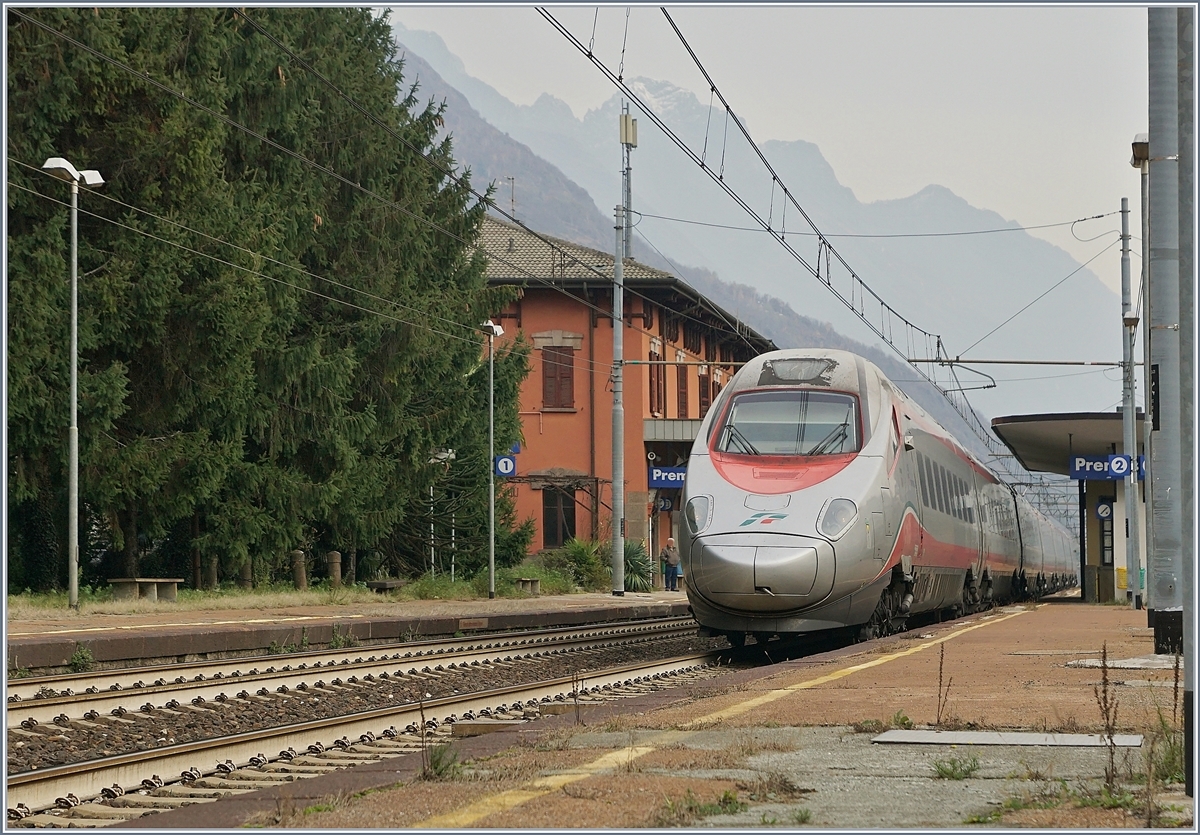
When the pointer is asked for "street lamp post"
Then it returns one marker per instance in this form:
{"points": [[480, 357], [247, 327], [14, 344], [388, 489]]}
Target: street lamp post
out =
{"points": [[1141, 161], [60, 168], [492, 330]]}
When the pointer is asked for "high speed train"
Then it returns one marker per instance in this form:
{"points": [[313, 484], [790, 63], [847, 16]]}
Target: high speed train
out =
{"points": [[819, 496]]}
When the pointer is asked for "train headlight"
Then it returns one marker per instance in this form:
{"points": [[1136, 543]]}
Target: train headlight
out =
{"points": [[698, 513], [836, 517]]}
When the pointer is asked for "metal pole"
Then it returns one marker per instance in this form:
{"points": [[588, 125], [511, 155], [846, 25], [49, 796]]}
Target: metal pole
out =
{"points": [[431, 570], [1187, 345], [618, 417], [1133, 562], [491, 466], [1147, 424], [73, 437], [453, 547], [1164, 294]]}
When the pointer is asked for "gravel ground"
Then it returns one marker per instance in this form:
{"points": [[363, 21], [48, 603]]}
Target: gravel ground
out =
{"points": [[108, 736]]}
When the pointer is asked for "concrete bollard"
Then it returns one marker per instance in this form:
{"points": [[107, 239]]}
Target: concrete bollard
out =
{"points": [[334, 558], [299, 579]]}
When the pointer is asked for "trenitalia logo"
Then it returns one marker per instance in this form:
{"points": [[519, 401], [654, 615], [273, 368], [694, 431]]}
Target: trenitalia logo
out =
{"points": [[763, 519]]}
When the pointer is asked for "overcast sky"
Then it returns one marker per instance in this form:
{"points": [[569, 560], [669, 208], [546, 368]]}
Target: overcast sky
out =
{"points": [[1027, 111]]}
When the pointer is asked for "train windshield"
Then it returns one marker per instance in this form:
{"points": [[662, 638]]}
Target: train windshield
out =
{"points": [[795, 422]]}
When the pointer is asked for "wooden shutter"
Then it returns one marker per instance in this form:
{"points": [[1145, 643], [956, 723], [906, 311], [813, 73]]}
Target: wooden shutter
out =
{"points": [[705, 394], [683, 391], [558, 378]]}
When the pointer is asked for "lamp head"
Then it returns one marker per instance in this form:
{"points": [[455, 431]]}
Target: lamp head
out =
{"points": [[63, 170], [1141, 150], [492, 328], [59, 167]]}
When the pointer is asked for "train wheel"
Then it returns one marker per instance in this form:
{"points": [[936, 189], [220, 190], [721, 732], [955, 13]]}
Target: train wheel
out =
{"points": [[736, 639]]}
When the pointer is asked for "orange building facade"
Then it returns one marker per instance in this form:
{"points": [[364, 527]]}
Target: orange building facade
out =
{"points": [[679, 349]]}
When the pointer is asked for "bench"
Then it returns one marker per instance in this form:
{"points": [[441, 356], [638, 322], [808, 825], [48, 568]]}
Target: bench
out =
{"points": [[384, 586], [146, 588], [533, 585]]}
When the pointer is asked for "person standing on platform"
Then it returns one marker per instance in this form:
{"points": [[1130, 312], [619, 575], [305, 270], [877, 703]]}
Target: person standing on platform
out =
{"points": [[670, 559]]}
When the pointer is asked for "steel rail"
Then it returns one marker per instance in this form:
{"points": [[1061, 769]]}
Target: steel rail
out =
{"points": [[38, 789], [75, 705]]}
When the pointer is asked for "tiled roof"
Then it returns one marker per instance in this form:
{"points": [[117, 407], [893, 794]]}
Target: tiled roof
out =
{"points": [[519, 256]]}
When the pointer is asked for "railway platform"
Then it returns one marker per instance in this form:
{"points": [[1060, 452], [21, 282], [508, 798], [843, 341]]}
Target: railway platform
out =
{"points": [[171, 634], [802, 743]]}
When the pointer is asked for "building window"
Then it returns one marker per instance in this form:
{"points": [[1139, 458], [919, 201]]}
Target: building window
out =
{"points": [[705, 390], [558, 516], [558, 378], [658, 380], [682, 371]]}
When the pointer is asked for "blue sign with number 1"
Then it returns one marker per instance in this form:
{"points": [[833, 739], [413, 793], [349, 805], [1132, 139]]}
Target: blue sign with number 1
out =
{"points": [[506, 465]]}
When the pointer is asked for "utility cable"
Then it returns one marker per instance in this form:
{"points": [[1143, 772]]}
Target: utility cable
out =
{"points": [[1042, 296], [865, 235], [442, 169], [592, 366], [313, 164]]}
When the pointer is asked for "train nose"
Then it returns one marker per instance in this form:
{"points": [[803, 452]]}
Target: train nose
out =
{"points": [[762, 572]]}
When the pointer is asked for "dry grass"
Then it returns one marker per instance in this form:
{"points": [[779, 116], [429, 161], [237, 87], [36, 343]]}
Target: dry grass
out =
{"points": [[54, 606]]}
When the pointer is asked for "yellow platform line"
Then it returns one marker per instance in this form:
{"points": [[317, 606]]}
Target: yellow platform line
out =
{"points": [[504, 801], [773, 695]]}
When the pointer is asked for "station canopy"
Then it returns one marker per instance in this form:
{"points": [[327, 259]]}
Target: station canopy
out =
{"points": [[1045, 443]]}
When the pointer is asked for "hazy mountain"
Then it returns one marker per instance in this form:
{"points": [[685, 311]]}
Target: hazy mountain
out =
{"points": [[960, 287], [545, 198]]}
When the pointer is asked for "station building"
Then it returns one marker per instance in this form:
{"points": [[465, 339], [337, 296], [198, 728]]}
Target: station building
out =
{"points": [[1079, 445], [680, 348]]}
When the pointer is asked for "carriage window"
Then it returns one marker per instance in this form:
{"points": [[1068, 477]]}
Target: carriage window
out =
{"points": [[790, 423]]}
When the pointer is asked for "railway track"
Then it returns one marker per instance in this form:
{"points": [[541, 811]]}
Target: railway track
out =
{"points": [[48, 700], [104, 791]]}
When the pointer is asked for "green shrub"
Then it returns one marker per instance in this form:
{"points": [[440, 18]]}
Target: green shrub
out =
{"points": [[955, 768], [81, 660], [639, 570]]}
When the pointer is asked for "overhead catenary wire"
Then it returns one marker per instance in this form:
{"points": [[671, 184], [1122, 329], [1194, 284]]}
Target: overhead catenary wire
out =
{"points": [[719, 179], [888, 315], [883, 330]]}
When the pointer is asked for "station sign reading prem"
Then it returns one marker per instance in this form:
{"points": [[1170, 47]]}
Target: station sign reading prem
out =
{"points": [[1104, 467], [667, 477]]}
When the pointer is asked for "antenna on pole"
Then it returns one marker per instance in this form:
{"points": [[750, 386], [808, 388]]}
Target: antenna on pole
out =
{"points": [[628, 143]]}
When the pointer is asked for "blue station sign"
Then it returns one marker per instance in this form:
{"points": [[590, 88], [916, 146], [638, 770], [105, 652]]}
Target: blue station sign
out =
{"points": [[667, 477], [1104, 467]]}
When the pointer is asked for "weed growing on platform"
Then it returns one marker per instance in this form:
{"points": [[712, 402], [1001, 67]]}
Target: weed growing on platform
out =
{"points": [[901, 720], [341, 640], [1107, 703], [869, 726], [771, 786], [801, 816], [955, 768], [942, 697], [81, 660], [689, 809]]}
